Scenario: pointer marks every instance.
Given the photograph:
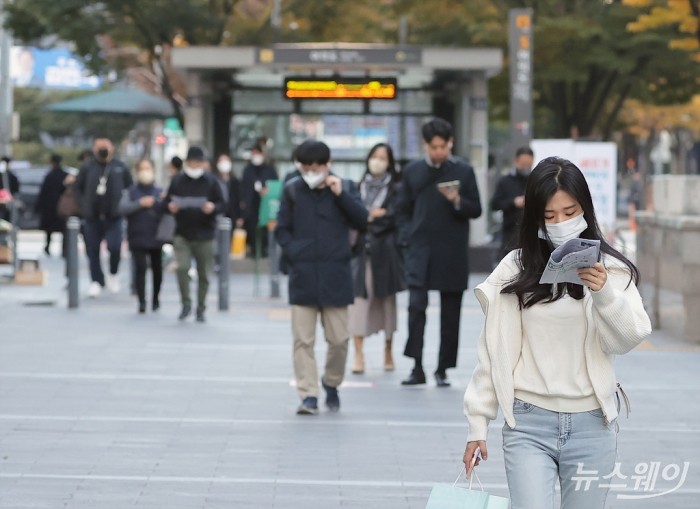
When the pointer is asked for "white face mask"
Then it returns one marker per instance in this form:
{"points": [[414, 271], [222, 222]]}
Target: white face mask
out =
{"points": [[559, 233], [224, 166], [377, 167], [146, 177], [257, 159], [193, 173], [313, 178]]}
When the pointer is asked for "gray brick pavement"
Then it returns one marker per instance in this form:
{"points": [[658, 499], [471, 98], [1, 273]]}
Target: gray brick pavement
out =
{"points": [[102, 408]]}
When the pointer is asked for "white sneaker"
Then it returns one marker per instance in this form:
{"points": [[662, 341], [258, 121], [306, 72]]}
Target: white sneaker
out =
{"points": [[112, 281], [95, 290]]}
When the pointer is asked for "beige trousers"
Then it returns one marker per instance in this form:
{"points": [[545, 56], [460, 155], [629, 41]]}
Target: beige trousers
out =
{"points": [[335, 328]]}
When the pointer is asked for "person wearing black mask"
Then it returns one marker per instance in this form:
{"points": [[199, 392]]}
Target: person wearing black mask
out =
{"points": [[510, 197], [98, 189]]}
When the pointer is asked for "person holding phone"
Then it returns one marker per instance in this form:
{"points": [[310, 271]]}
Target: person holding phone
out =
{"points": [[317, 212], [546, 352], [437, 199]]}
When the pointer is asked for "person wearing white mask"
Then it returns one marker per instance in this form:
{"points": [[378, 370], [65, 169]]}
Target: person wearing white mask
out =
{"points": [[231, 188], [546, 353], [317, 213], [194, 198], [141, 204], [377, 267], [253, 188]]}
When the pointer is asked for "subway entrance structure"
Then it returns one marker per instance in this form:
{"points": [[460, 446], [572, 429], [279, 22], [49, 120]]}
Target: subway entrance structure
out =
{"points": [[349, 95]]}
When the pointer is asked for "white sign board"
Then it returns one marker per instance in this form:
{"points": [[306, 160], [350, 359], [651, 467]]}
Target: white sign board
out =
{"points": [[598, 163]]}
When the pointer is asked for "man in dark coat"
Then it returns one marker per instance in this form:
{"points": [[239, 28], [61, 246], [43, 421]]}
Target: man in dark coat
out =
{"points": [[194, 198], [317, 213], [98, 190], [509, 197], [52, 188], [253, 188], [437, 199]]}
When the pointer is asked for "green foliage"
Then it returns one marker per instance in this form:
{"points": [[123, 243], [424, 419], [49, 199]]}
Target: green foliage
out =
{"points": [[586, 61], [39, 154], [35, 121], [98, 27]]}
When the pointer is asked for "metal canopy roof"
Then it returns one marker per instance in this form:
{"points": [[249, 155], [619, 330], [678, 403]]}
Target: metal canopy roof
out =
{"points": [[338, 57], [128, 102]]}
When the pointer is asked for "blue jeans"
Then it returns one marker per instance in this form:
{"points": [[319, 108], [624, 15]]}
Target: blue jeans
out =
{"points": [[94, 232], [546, 446]]}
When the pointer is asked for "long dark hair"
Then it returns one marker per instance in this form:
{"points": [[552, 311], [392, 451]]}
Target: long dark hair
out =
{"points": [[549, 176], [391, 169]]}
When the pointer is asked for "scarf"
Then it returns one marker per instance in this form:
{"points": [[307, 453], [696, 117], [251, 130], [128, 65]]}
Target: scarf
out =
{"points": [[374, 191]]}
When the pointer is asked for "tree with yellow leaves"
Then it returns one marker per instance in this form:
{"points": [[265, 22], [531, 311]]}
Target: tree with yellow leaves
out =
{"points": [[683, 13]]}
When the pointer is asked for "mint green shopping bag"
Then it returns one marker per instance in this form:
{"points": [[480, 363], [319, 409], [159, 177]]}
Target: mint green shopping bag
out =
{"points": [[451, 496]]}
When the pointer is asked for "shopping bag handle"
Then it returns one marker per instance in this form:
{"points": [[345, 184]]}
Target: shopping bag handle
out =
{"points": [[471, 479]]}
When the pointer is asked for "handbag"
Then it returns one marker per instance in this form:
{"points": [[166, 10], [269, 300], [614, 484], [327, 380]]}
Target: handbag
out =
{"points": [[451, 496], [68, 204], [166, 229]]}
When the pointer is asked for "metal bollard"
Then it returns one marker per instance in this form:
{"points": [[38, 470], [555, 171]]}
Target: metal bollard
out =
{"points": [[14, 219], [72, 230], [273, 253], [223, 246]]}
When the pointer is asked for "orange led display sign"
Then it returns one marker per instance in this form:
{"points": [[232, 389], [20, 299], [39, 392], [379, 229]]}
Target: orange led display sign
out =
{"points": [[340, 88]]}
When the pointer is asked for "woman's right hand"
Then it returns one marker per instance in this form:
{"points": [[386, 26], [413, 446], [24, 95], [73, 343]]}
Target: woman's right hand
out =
{"points": [[469, 455]]}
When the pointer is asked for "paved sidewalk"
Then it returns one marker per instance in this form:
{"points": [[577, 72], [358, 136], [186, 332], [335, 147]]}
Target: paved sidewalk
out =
{"points": [[103, 408]]}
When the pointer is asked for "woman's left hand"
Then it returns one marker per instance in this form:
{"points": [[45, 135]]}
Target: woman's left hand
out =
{"points": [[594, 277]]}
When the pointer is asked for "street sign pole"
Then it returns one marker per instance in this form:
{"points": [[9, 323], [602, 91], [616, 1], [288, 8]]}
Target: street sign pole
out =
{"points": [[520, 56]]}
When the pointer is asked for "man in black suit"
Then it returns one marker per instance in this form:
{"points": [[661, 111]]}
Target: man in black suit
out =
{"points": [[437, 199], [509, 197]]}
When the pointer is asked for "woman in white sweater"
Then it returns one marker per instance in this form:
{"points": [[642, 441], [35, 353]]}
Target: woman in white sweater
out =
{"points": [[546, 353]]}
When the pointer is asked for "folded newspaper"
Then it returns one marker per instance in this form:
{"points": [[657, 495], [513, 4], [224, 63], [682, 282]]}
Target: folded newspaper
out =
{"points": [[189, 202], [565, 261]]}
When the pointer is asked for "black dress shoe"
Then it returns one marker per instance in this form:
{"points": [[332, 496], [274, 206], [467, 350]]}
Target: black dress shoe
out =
{"points": [[186, 310], [415, 378], [142, 308], [200, 317], [441, 380], [156, 305]]}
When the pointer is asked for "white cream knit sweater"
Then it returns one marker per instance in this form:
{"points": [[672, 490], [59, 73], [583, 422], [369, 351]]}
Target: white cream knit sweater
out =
{"points": [[616, 323]]}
